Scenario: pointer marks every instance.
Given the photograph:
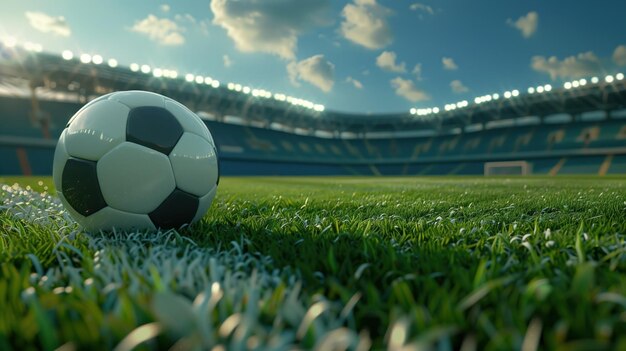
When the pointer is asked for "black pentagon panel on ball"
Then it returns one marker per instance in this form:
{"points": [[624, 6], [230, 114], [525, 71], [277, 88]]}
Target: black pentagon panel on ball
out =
{"points": [[179, 208], [80, 187], [153, 127]]}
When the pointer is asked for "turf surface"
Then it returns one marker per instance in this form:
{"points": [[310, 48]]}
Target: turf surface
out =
{"points": [[343, 263]]}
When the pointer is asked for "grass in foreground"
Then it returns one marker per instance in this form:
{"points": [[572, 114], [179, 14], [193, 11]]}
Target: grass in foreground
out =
{"points": [[329, 263]]}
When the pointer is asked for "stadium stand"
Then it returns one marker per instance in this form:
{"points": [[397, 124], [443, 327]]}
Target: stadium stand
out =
{"points": [[288, 136]]}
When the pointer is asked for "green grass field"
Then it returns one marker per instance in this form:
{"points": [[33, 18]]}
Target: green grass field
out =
{"points": [[328, 264]]}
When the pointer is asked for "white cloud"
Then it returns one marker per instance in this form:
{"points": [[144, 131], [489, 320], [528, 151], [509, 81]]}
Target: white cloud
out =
{"points": [[269, 26], [165, 8], [357, 84], [315, 70], [619, 55], [48, 24], [417, 70], [161, 30], [227, 61], [422, 8], [458, 87], [201, 25], [526, 24], [449, 64], [186, 17], [365, 24], [406, 89], [582, 65], [387, 61]]}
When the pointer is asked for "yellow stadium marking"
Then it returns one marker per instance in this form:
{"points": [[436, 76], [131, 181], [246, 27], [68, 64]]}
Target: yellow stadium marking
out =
{"points": [[22, 157], [374, 170], [555, 170], [606, 164]]}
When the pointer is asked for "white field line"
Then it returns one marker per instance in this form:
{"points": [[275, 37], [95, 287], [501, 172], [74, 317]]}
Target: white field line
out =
{"points": [[204, 297]]}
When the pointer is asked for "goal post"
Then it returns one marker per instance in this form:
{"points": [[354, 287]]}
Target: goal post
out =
{"points": [[508, 168]]}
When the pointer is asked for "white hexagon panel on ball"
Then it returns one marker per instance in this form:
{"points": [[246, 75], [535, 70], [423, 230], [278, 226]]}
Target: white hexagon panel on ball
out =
{"points": [[195, 164], [97, 130], [135, 178]]}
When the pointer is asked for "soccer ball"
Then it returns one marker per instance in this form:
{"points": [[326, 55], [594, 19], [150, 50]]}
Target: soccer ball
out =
{"points": [[135, 160]]}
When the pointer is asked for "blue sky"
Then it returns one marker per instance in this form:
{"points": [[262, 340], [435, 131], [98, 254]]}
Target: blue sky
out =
{"points": [[362, 56]]}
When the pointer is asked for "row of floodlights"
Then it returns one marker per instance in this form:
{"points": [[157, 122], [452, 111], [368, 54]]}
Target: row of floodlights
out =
{"points": [[452, 107], [11, 42], [86, 58], [279, 97], [594, 80], [214, 83], [514, 93], [424, 111]]}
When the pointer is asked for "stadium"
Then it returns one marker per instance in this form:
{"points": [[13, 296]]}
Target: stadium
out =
{"points": [[578, 128], [494, 222]]}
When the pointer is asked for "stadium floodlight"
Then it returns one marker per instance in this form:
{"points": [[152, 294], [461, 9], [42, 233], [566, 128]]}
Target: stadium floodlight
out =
{"points": [[515, 92], [507, 94], [173, 74], [246, 90], [319, 108], [208, 80], [145, 69], [531, 90], [435, 109], [238, 87], [215, 84], [619, 76], [157, 72], [67, 55], [97, 59], [609, 79], [199, 79], [230, 86], [575, 84], [189, 77], [495, 96], [412, 111], [595, 80], [582, 82], [85, 58], [567, 85], [478, 100], [547, 87], [134, 67], [112, 63], [459, 104], [540, 89]]}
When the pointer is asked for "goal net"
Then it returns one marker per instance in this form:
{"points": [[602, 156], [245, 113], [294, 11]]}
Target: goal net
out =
{"points": [[508, 168]]}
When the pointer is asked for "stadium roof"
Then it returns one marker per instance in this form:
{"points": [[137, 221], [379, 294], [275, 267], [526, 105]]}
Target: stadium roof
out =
{"points": [[88, 76]]}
